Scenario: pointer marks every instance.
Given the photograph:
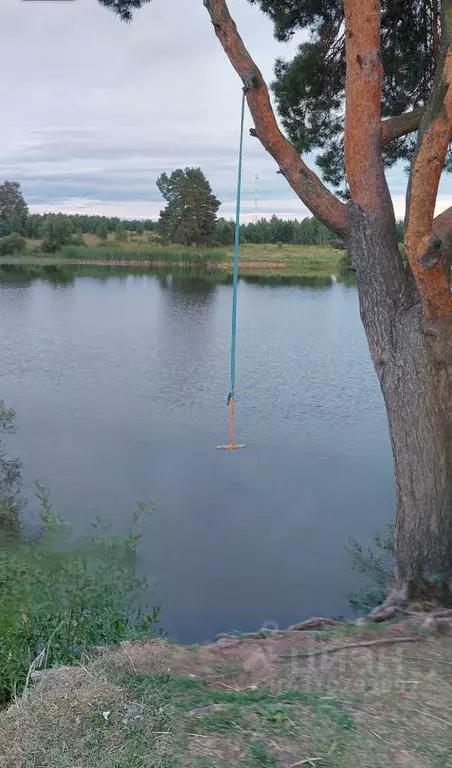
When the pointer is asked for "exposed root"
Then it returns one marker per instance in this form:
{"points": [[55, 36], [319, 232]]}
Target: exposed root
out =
{"points": [[360, 644]]}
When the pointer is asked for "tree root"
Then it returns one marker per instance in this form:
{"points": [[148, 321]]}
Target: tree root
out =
{"points": [[357, 644], [401, 600]]}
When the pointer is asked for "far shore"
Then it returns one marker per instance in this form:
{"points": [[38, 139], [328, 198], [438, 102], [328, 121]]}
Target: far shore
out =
{"points": [[255, 260]]}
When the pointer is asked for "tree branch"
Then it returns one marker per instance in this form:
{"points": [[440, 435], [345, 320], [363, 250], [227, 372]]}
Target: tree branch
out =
{"points": [[442, 224], [363, 128], [426, 251], [395, 127], [323, 204]]}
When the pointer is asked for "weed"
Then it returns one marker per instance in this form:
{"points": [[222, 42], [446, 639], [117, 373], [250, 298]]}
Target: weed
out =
{"points": [[10, 478], [61, 597], [376, 562], [229, 670], [259, 757], [105, 253]]}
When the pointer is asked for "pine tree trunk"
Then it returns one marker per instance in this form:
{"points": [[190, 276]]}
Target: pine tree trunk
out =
{"points": [[413, 361]]}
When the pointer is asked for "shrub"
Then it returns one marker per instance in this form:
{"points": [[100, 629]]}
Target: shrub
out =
{"points": [[337, 244], [12, 244], [121, 234], [78, 239], [10, 478], [153, 237], [376, 562], [345, 264], [60, 597], [69, 252]]}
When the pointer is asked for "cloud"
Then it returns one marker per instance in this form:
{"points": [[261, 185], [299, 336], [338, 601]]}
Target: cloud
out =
{"points": [[97, 109]]}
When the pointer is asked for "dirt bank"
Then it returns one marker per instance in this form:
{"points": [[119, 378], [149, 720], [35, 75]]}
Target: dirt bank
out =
{"points": [[364, 695]]}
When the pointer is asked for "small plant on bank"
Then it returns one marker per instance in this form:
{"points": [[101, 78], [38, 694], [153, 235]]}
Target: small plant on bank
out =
{"points": [[60, 597], [375, 562], [78, 240], [12, 245], [10, 478]]}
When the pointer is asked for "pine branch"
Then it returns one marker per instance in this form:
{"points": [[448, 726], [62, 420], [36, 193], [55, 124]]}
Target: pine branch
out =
{"points": [[307, 185], [400, 125]]}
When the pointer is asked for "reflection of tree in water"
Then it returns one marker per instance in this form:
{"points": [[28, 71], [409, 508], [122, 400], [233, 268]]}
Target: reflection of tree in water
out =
{"points": [[189, 289], [280, 281], [18, 276], [10, 478], [187, 333], [345, 277], [58, 274], [12, 274]]}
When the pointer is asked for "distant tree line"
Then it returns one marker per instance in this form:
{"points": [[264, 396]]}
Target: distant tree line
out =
{"points": [[189, 218], [16, 218], [81, 224], [307, 231]]}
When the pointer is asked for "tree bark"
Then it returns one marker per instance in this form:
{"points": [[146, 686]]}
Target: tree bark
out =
{"points": [[406, 320], [396, 127], [427, 254], [413, 361], [406, 313]]}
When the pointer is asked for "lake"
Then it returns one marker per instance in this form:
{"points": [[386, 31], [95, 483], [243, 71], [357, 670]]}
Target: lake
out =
{"points": [[120, 384]]}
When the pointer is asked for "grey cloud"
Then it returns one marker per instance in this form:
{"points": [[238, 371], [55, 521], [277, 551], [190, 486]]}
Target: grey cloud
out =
{"points": [[97, 109]]}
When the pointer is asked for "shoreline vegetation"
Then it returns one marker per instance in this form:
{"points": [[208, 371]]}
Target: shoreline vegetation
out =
{"points": [[267, 260]]}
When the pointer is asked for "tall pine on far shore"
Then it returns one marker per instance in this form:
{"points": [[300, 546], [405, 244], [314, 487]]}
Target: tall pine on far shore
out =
{"points": [[13, 209], [190, 215]]}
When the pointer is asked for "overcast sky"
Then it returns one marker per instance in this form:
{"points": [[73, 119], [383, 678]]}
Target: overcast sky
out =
{"points": [[94, 109]]}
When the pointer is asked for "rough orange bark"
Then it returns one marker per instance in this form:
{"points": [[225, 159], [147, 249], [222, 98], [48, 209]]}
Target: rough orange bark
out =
{"points": [[431, 277], [442, 224], [307, 185], [363, 84]]}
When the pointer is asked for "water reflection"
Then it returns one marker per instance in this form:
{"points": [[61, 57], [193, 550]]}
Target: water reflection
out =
{"points": [[184, 281], [120, 383]]}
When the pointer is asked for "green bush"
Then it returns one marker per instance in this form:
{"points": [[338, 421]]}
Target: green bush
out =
{"points": [[345, 263], [377, 563], [121, 234], [78, 240], [59, 597], [12, 244], [56, 231], [10, 478]]}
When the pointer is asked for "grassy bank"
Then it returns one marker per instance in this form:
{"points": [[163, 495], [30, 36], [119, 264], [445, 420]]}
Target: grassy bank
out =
{"points": [[264, 260], [60, 597], [243, 702]]}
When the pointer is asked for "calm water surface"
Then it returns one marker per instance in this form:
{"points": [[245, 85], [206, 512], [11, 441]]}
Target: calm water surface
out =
{"points": [[120, 386]]}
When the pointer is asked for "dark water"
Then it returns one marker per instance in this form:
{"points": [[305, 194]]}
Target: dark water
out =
{"points": [[120, 384]]}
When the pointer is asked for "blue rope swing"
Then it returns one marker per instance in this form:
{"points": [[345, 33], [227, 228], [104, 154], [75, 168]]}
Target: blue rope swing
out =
{"points": [[232, 445]]}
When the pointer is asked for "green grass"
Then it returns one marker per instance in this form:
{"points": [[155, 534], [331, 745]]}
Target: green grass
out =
{"points": [[255, 260], [60, 597], [155, 254], [165, 727]]}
